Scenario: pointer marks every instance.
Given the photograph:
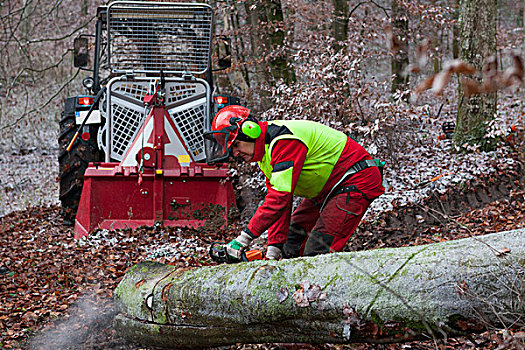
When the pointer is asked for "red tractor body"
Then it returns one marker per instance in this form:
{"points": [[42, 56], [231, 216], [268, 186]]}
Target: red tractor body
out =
{"points": [[150, 123], [113, 198]]}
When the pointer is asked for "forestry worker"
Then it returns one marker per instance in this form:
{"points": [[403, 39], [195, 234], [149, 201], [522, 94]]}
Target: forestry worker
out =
{"points": [[335, 175]]}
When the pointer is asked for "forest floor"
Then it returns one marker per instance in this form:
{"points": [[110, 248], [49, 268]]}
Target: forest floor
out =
{"points": [[56, 292]]}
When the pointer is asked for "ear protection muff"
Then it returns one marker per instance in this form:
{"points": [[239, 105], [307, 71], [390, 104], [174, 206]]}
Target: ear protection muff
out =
{"points": [[251, 129]]}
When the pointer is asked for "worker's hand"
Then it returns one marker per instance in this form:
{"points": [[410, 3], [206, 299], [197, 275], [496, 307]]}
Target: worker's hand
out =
{"points": [[273, 253], [236, 247]]}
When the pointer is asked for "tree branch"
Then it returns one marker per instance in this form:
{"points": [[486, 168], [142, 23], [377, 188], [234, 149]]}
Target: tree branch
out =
{"points": [[41, 106]]}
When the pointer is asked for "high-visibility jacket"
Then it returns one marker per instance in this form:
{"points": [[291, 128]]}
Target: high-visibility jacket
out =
{"points": [[302, 158], [324, 146]]}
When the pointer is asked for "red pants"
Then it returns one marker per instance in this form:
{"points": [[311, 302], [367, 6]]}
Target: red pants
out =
{"points": [[313, 232]]}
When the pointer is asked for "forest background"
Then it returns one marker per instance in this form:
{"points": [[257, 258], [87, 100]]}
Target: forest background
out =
{"points": [[352, 64], [388, 73]]}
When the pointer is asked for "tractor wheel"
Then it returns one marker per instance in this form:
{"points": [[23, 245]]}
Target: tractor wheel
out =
{"points": [[73, 164]]}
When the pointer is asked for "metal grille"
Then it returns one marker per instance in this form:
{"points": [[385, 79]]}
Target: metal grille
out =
{"points": [[149, 37], [179, 92], [127, 114], [134, 90], [186, 106], [125, 124], [190, 123]]}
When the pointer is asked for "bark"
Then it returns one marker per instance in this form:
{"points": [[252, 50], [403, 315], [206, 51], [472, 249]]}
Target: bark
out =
{"points": [[400, 59], [235, 80], [381, 295], [269, 46], [478, 42], [340, 25], [455, 32]]}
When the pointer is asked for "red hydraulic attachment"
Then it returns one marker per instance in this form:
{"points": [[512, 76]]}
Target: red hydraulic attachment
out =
{"points": [[158, 191]]}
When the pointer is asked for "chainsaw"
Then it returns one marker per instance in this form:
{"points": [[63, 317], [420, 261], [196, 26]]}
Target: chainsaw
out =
{"points": [[219, 255]]}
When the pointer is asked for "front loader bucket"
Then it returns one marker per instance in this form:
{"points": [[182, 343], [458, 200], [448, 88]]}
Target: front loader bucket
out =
{"points": [[112, 197]]}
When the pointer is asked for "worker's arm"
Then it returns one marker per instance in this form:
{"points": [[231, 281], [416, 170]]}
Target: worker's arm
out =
{"points": [[288, 158]]}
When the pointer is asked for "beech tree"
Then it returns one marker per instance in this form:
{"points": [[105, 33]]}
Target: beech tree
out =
{"points": [[340, 24], [400, 59], [477, 22], [377, 296], [268, 43]]}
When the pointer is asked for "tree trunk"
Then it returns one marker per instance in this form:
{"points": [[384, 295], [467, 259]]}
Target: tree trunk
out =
{"points": [[235, 80], [400, 60], [269, 49], [382, 295], [340, 25], [455, 32], [478, 42]]}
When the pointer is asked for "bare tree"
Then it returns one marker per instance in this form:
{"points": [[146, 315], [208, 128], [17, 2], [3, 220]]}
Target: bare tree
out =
{"points": [[477, 24], [35, 39], [340, 25], [269, 45], [400, 47]]}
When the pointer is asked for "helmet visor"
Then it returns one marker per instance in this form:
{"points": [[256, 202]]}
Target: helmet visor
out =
{"points": [[216, 146]]}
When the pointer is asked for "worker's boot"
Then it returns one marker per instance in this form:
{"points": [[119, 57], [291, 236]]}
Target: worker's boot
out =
{"points": [[318, 243], [296, 238]]}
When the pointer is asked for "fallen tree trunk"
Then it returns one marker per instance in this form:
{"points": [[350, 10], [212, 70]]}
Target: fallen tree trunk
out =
{"points": [[381, 295]]}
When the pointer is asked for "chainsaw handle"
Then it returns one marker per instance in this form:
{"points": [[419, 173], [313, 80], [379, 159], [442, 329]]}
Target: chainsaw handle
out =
{"points": [[218, 254]]}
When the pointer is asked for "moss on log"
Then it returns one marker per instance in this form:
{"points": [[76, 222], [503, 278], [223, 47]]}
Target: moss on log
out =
{"points": [[381, 295]]}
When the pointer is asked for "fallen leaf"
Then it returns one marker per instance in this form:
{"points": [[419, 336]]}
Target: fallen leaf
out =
{"points": [[300, 299], [470, 87], [353, 318], [421, 52], [424, 85], [463, 325], [440, 81], [313, 293], [140, 283], [460, 67], [503, 251]]}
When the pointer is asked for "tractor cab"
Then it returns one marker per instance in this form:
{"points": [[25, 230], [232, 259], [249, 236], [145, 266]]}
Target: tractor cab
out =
{"points": [[141, 154]]}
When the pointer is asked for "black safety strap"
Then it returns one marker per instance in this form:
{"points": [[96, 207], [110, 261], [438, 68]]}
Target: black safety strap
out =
{"points": [[357, 167], [348, 189]]}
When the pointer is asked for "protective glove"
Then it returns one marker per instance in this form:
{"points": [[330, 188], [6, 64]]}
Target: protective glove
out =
{"points": [[236, 247], [273, 253]]}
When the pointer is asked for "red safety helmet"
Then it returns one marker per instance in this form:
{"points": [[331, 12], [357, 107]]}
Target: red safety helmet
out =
{"points": [[225, 130], [230, 118]]}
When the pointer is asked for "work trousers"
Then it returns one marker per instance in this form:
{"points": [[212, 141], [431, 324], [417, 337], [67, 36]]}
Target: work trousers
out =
{"points": [[314, 232]]}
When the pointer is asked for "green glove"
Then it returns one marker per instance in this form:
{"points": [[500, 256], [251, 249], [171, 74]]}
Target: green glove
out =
{"points": [[236, 247]]}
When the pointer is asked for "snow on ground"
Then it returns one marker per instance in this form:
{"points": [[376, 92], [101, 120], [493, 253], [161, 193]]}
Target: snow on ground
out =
{"points": [[27, 178], [178, 248], [425, 157], [404, 186]]}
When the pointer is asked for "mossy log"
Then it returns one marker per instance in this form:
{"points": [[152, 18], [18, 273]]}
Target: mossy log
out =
{"points": [[381, 295]]}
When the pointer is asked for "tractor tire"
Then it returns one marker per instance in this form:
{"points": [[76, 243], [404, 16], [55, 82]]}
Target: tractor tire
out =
{"points": [[72, 165]]}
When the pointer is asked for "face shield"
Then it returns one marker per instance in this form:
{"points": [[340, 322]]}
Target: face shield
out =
{"points": [[217, 144]]}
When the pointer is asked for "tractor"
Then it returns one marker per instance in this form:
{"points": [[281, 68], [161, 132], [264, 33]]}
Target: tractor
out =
{"points": [[132, 149]]}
